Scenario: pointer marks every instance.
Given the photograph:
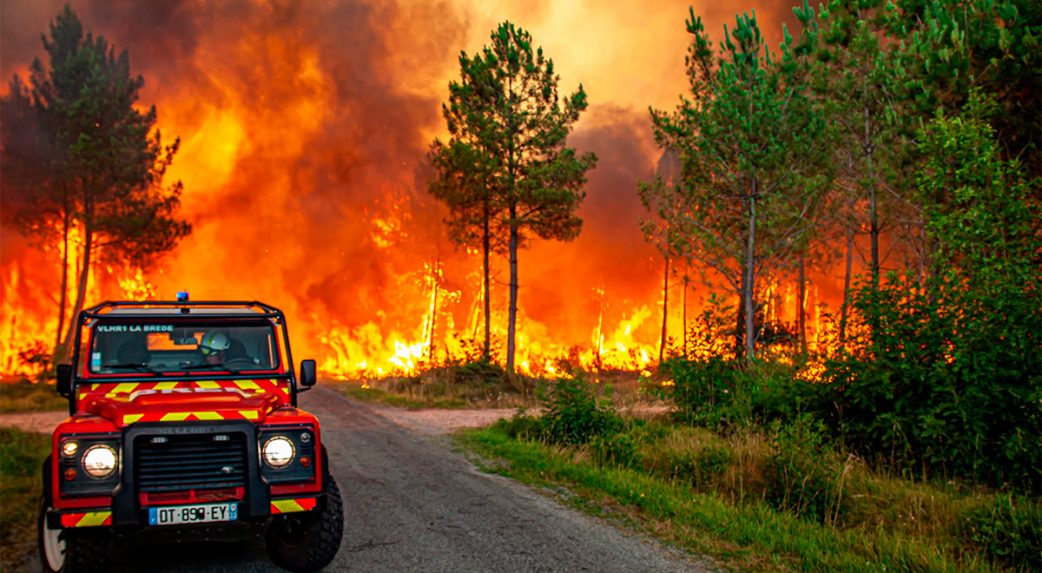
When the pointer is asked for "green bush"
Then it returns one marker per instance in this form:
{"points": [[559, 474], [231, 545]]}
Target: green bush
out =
{"points": [[946, 379], [1009, 530], [723, 394], [803, 474], [709, 392], [619, 448], [574, 415], [522, 426]]}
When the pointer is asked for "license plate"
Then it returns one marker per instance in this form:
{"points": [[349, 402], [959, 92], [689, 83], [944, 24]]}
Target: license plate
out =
{"points": [[201, 513]]}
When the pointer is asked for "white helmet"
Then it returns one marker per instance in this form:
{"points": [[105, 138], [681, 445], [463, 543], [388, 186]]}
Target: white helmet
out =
{"points": [[214, 341]]}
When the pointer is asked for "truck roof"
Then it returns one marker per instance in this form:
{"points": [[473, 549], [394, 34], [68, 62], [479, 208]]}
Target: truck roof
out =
{"points": [[182, 309]]}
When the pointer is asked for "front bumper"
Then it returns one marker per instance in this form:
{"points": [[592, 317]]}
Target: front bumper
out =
{"points": [[100, 517]]}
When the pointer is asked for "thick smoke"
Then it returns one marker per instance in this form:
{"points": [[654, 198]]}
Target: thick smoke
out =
{"points": [[304, 128]]}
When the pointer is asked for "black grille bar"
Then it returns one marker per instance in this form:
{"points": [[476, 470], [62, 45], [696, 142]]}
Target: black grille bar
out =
{"points": [[194, 461]]}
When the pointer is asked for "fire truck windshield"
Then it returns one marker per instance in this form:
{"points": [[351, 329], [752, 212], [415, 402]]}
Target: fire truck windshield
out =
{"points": [[122, 347]]}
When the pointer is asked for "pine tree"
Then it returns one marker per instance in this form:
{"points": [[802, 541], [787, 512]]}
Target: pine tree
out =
{"points": [[749, 141], [104, 161], [506, 173]]}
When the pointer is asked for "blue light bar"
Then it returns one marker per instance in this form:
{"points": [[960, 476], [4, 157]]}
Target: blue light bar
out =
{"points": [[182, 296]]}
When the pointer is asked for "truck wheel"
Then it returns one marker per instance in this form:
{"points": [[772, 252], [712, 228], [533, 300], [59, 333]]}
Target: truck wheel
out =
{"points": [[66, 550], [308, 541]]}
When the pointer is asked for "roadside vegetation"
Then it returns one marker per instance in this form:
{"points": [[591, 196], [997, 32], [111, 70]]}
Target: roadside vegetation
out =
{"points": [[21, 455], [24, 396], [759, 494], [474, 384], [480, 384]]}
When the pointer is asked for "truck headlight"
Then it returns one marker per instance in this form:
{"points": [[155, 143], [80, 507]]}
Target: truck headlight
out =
{"points": [[99, 461], [278, 451]]}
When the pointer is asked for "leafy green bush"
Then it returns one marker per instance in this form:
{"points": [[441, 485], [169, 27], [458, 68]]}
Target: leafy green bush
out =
{"points": [[803, 473], [618, 448], [709, 392], [723, 394], [522, 426], [574, 415], [947, 377], [1010, 530]]}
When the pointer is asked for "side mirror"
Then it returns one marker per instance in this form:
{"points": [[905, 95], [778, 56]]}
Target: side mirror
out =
{"points": [[64, 385], [308, 375]]}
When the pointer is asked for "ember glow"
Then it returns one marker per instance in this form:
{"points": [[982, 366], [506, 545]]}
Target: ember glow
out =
{"points": [[304, 130]]}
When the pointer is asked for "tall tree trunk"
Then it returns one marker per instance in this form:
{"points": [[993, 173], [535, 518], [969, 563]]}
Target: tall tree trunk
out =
{"points": [[870, 179], [739, 329], [432, 324], [683, 319], [512, 318], [81, 283], [844, 310], [63, 297], [665, 311], [749, 276], [801, 296], [485, 247]]}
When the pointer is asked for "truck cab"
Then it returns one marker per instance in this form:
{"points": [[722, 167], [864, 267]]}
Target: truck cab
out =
{"points": [[184, 424]]}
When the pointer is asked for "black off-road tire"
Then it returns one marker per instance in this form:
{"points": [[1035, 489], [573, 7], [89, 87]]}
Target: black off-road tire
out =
{"points": [[308, 541], [85, 548]]}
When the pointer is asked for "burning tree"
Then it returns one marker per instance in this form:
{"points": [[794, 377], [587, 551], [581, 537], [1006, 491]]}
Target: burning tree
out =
{"points": [[85, 160], [506, 172], [748, 143]]}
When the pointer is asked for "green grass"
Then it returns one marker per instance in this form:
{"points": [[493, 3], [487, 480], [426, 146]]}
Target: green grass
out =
{"points": [[21, 455], [26, 397], [729, 520]]}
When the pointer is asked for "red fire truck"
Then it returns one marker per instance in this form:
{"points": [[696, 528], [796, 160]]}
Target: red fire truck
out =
{"points": [[184, 425]]}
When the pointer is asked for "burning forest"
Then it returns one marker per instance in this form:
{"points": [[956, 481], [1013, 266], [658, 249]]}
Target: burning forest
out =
{"points": [[304, 134], [303, 140]]}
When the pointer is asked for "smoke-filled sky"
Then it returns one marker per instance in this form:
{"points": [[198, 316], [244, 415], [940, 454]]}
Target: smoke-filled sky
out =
{"points": [[304, 126]]}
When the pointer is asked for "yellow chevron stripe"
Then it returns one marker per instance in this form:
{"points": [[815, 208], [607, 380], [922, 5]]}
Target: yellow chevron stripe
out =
{"points": [[249, 414], [175, 417], [207, 416], [208, 384], [166, 385], [247, 385], [123, 388], [131, 418], [94, 518], [287, 505]]}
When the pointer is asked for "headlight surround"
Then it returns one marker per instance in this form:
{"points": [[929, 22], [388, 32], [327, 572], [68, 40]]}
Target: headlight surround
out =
{"points": [[99, 461], [298, 443], [278, 451]]}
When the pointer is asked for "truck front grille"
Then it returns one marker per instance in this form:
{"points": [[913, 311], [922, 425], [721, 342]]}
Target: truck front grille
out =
{"points": [[182, 462]]}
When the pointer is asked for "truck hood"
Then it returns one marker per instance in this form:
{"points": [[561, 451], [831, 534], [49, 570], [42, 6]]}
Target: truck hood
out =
{"points": [[182, 405]]}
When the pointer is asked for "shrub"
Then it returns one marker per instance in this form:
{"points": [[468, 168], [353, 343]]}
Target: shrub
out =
{"points": [[708, 391], [574, 416], [803, 473], [1009, 530], [522, 426], [619, 448]]}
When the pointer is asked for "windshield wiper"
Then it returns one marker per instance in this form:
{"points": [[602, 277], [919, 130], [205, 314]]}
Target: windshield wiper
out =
{"points": [[134, 365]]}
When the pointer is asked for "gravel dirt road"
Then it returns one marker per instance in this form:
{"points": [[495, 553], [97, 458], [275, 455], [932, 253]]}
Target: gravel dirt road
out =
{"points": [[412, 504]]}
